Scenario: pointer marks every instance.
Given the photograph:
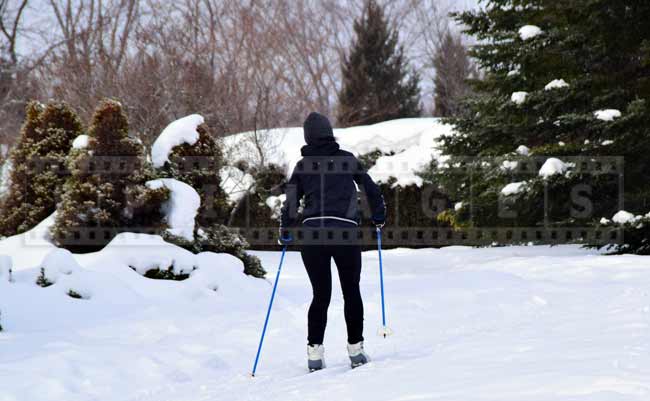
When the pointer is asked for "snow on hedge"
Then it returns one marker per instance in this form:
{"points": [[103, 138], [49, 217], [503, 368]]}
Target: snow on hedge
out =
{"points": [[523, 150], [529, 31], [30, 247], [58, 262], [80, 142], [607, 114], [275, 204], [408, 145], [518, 97], [513, 188], [509, 165], [623, 217], [177, 133], [556, 84], [181, 208], [553, 166]]}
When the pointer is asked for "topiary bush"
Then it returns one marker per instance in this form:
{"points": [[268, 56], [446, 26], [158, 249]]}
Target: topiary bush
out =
{"points": [[199, 166], [105, 194], [38, 166]]}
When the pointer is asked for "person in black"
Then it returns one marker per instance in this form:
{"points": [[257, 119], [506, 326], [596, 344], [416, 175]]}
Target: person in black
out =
{"points": [[325, 178]]}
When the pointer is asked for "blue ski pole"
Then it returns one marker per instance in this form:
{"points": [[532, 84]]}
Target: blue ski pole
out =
{"points": [[383, 330], [268, 312]]}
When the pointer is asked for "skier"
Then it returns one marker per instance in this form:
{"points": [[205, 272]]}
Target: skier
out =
{"points": [[326, 177]]}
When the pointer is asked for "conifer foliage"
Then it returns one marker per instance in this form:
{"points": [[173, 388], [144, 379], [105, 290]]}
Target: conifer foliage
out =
{"points": [[37, 166], [563, 79], [105, 193], [377, 83]]}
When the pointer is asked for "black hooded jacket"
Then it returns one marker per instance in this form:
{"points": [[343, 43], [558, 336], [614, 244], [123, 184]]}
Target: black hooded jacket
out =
{"points": [[326, 177]]}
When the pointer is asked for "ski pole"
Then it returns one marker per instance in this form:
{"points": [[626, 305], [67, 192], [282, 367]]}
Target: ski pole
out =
{"points": [[384, 330], [268, 312]]}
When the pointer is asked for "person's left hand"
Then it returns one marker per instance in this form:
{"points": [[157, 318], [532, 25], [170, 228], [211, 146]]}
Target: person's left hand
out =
{"points": [[284, 237]]}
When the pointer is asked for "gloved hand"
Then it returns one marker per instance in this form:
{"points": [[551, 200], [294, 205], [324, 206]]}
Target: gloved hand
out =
{"points": [[379, 224], [284, 237]]}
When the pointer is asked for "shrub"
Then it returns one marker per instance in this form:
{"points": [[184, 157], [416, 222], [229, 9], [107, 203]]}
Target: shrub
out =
{"points": [[106, 194], [38, 166]]}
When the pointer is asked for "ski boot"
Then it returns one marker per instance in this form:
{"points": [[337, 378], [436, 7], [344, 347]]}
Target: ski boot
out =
{"points": [[357, 355], [315, 357]]}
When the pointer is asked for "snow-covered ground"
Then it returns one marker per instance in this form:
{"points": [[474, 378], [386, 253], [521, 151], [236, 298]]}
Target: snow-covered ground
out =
{"points": [[511, 323]]}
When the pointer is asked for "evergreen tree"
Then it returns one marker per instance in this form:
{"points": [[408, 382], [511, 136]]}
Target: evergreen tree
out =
{"points": [[550, 67], [376, 83], [38, 166], [105, 194], [453, 69]]}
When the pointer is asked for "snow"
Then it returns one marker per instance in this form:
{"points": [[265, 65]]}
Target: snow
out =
{"points": [[527, 32], [275, 204], [181, 208], [556, 84], [530, 323], [80, 142], [552, 166], [6, 266], [607, 142], [58, 262], [414, 142], [177, 133], [607, 114], [623, 217], [458, 206], [518, 97], [513, 188], [235, 183], [523, 150], [509, 165]]}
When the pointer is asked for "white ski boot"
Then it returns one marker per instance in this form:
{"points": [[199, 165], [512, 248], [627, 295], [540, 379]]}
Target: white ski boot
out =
{"points": [[315, 357], [357, 355]]}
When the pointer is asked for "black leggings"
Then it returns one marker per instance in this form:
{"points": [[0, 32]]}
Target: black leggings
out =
{"points": [[317, 260]]}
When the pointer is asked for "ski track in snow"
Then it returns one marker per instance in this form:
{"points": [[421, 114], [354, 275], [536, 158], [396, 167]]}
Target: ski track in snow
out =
{"points": [[511, 323]]}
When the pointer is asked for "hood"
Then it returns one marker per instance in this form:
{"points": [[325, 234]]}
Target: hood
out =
{"points": [[317, 129]]}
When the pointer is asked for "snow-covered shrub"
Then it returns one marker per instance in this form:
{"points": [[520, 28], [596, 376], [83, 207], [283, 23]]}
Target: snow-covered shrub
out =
{"points": [[74, 294], [38, 160], [106, 194], [636, 232], [221, 239], [56, 263], [186, 151]]}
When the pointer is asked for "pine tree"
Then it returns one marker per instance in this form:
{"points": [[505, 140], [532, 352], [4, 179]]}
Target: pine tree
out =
{"points": [[377, 85], [105, 194], [453, 69], [38, 166], [549, 67]]}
